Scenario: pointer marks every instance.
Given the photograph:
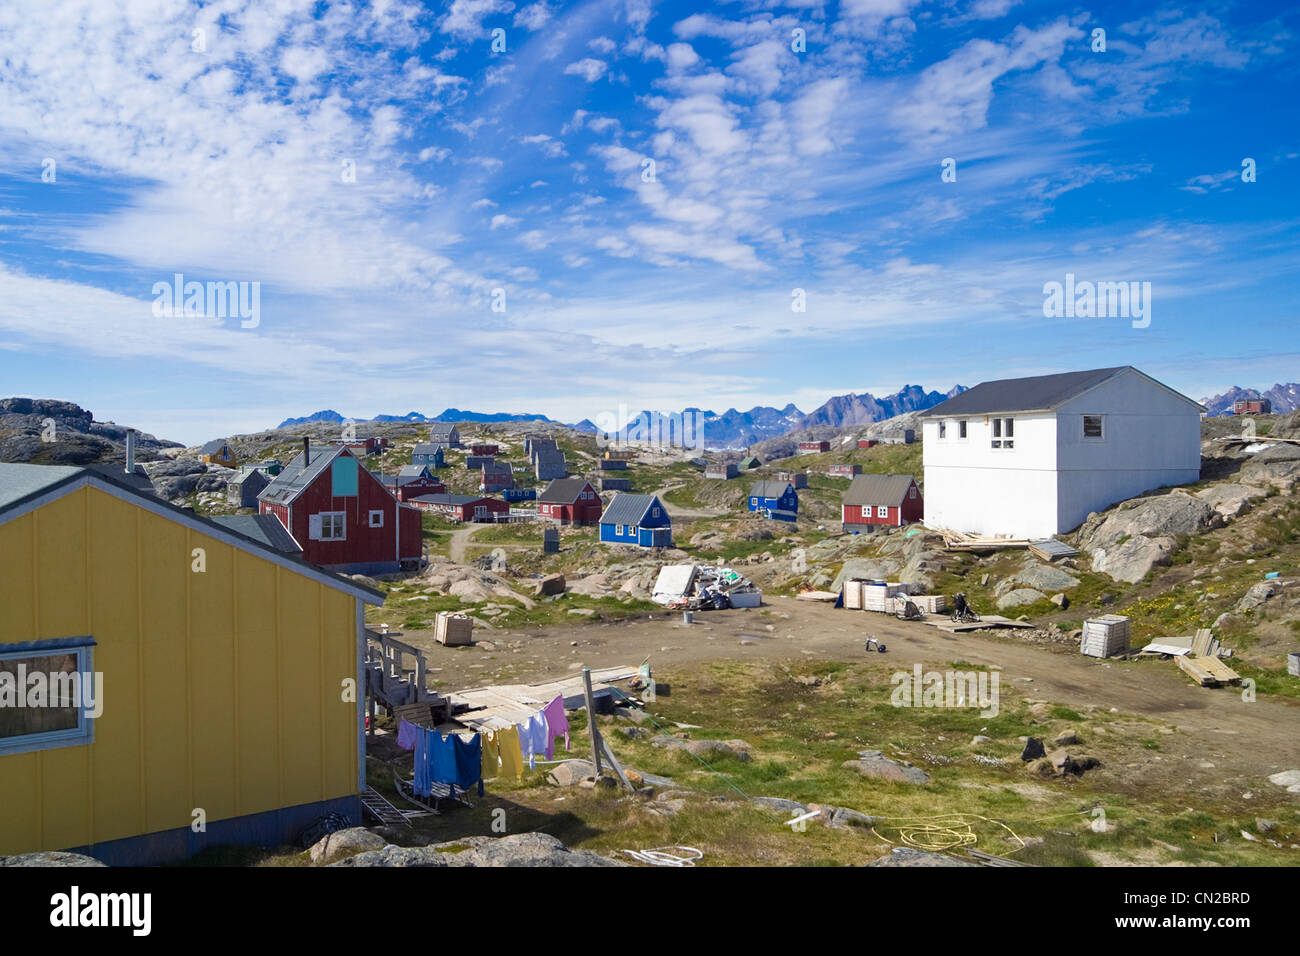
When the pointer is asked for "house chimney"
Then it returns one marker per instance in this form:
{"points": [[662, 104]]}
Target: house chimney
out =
{"points": [[130, 451], [306, 451]]}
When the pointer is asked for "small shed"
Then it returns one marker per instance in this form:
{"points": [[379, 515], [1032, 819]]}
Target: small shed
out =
{"points": [[723, 470], [248, 483]]}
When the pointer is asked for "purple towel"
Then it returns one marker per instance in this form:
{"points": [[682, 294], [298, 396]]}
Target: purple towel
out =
{"points": [[407, 733], [557, 725]]}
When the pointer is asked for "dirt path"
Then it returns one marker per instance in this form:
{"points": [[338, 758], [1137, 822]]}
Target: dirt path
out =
{"points": [[678, 511], [458, 541], [1246, 740]]}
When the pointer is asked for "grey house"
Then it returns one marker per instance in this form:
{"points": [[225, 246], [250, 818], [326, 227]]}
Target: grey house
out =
{"points": [[243, 489]]}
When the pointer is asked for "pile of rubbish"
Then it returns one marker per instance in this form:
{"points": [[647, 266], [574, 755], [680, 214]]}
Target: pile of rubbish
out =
{"points": [[695, 587]]}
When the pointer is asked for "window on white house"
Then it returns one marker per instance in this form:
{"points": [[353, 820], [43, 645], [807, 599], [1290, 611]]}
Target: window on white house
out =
{"points": [[56, 711], [943, 430], [961, 429], [376, 519], [1004, 431], [1093, 428]]}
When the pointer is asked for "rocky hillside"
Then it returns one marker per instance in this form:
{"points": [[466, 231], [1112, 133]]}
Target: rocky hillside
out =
{"points": [[49, 432]]}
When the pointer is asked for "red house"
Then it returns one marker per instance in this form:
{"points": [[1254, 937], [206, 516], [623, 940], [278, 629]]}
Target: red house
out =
{"points": [[867, 443], [342, 515], [1247, 406], [413, 487], [570, 501], [463, 507], [807, 447], [881, 500], [844, 471], [492, 450]]}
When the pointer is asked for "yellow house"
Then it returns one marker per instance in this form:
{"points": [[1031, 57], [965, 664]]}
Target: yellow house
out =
{"points": [[218, 452], [227, 699]]}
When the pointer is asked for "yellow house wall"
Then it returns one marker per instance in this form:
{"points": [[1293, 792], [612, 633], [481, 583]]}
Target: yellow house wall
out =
{"points": [[223, 690]]}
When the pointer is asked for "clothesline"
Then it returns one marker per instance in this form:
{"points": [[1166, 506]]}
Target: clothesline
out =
{"points": [[462, 763]]}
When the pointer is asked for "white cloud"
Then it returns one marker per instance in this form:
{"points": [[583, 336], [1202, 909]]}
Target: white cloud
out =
{"points": [[588, 68]]}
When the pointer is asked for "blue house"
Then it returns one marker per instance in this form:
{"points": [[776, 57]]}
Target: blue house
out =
{"points": [[774, 499], [427, 454], [637, 519]]}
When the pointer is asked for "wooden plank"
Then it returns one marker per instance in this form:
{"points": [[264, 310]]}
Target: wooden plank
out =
{"points": [[1201, 642], [1193, 669]]}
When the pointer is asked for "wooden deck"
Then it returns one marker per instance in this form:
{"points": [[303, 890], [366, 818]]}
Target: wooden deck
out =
{"points": [[504, 705]]}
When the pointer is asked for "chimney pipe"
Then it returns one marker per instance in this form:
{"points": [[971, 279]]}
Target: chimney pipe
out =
{"points": [[306, 451], [130, 451]]}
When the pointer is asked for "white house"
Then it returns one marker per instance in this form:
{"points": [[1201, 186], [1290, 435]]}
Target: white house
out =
{"points": [[1032, 457]]}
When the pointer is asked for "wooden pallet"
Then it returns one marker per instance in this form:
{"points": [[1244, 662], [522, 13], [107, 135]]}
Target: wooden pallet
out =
{"points": [[1208, 671]]}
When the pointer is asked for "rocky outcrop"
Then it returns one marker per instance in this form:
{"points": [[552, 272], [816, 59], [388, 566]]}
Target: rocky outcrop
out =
{"points": [[873, 763], [332, 846], [1275, 465], [1039, 576], [1020, 597], [1258, 595], [49, 858], [1231, 500], [906, 856], [524, 849]]}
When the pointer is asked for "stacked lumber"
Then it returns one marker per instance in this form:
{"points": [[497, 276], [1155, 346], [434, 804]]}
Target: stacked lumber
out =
{"points": [[1105, 636], [1208, 671], [852, 591], [875, 596], [930, 603], [964, 541], [1049, 549]]}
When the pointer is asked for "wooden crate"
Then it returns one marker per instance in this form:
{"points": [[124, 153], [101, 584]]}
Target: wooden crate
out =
{"points": [[853, 595], [1105, 636], [453, 629]]}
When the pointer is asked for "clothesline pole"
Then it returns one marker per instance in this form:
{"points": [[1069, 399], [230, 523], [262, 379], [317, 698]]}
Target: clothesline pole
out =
{"points": [[591, 719]]}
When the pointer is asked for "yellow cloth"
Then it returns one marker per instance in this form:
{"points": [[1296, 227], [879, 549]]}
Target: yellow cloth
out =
{"points": [[491, 756], [512, 755]]}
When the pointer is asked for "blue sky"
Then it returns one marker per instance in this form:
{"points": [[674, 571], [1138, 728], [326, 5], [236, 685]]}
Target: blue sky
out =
{"points": [[525, 171]]}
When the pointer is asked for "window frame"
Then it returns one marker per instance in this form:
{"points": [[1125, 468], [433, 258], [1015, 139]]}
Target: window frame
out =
{"points": [[963, 433], [943, 430], [1003, 434], [326, 518], [84, 733], [882, 511], [371, 518], [1083, 428]]}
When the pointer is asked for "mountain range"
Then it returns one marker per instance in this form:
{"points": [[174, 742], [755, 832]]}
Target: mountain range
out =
{"points": [[729, 429], [330, 416], [736, 429], [1285, 398]]}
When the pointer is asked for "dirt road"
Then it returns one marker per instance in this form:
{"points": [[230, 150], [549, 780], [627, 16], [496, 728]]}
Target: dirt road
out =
{"points": [[1245, 739]]}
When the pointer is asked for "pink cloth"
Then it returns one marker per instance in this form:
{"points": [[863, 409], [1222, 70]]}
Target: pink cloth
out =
{"points": [[558, 724], [406, 735]]}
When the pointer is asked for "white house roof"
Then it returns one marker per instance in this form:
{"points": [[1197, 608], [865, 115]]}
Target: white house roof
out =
{"points": [[1034, 394]]}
